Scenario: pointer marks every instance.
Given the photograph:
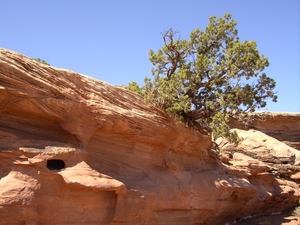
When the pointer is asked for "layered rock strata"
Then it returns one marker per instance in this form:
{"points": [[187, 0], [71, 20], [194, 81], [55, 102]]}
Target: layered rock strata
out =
{"points": [[75, 150], [283, 126]]}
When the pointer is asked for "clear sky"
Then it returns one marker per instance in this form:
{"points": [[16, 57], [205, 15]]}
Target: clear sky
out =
{"points": [[110, 39]]}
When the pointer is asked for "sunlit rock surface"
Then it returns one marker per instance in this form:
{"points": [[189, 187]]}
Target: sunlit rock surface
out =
{"points": [[75, 150]]}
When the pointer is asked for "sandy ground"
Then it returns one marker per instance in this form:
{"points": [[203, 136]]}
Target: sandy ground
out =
{"points": [[288, 217]]}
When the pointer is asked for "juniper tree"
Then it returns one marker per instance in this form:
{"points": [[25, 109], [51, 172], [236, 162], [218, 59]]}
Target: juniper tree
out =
{"points": [[209, 78]]}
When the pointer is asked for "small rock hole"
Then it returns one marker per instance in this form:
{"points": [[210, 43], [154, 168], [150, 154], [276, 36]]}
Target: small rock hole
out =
{"points": [[55, 164]]}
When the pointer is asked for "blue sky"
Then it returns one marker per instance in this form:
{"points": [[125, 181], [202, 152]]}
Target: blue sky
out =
{"points": [[110, 40]]}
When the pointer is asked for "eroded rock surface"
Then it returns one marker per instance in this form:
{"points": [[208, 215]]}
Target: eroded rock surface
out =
{"points": [[75, 150], [283, 126], [269, 162]]}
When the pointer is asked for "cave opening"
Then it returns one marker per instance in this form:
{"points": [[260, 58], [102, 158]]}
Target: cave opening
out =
{"points": [[55, 164]]}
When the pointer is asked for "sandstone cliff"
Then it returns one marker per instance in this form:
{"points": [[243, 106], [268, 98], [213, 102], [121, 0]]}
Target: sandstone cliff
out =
{"points": [[75, 150]]}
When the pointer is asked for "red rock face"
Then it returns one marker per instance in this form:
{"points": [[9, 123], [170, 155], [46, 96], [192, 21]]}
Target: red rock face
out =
{"points": [[75, 150], [284, 127]]}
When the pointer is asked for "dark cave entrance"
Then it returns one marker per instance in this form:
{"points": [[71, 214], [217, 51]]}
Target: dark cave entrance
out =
{"points": [[55, 164]]}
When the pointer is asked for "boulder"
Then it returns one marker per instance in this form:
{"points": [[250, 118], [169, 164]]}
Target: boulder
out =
{"points": [[256, 149], [267, 149], [283, 126]]}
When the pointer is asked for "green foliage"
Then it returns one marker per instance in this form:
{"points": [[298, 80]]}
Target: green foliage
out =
{"points": [[209, 78], [133, 86], [41, 61]]}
